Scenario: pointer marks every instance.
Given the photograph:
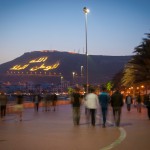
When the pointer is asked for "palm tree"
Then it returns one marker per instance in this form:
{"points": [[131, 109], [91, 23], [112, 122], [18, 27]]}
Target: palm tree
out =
{"points": [[138, 68]]}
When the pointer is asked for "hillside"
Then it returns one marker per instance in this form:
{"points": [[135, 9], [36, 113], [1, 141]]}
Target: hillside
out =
{"points": [[49, 66]]}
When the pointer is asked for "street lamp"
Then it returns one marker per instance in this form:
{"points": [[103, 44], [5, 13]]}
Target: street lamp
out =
{"points": [[81, 71], [61, 83], [73, 74], [86, 11]]}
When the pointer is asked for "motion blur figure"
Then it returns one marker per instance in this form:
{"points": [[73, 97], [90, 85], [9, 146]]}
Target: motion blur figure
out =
{"points": [[117, 103], [139, 103], [128, 102], [76, 102], [3, 103], [19, 105], [147, 103]]}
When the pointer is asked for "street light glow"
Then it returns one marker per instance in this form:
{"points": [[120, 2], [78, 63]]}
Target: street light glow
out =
{"points": [[86, 10]]}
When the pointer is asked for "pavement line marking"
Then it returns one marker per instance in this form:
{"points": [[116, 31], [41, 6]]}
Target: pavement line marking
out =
{"points": [[118, 141], [122, 136]]}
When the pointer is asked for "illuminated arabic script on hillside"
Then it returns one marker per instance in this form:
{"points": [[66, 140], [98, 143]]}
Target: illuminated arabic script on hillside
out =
{"points": [[36, 67]]}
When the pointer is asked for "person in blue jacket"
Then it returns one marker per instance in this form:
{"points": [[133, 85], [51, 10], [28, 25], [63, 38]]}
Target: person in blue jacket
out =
{"points": [[104, 100]]}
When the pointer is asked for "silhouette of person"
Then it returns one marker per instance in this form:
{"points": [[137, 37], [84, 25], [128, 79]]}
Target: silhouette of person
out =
{"points": [[104, 100], [147, 103], [19, 105], [128, 102], [117, 103], [54, 101], [76, 102], [36, 100], [139, 105], [3, 103]]}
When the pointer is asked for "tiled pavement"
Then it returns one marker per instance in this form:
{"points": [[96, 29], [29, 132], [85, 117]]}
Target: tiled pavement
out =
{"points": [[55, 131]]}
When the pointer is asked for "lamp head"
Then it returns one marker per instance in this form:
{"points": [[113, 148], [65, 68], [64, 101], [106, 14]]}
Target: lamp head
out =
{"points": [[86, 10]]}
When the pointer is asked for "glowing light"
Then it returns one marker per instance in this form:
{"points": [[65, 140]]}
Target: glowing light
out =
{"points": [[45, 68], [41, 59], [35, 68], [19, 67]]}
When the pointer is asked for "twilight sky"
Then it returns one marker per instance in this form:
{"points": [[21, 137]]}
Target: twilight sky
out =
{"points": [[115, 27]]}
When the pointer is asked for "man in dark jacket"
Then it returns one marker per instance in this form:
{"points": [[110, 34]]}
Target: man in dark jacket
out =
{"points": [[117, 103], [76, 102]]}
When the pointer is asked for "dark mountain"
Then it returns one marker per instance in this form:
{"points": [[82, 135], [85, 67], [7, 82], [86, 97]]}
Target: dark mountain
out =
{"points": [[49, 66]]}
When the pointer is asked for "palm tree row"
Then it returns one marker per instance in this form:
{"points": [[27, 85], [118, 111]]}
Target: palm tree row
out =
{"points": [[137, 69]]}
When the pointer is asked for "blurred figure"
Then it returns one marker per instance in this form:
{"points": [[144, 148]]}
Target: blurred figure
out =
{"points": [[147, 103], [128, 102], [47, 101], [3, 103], [104, 100], [91, 102], [139, 103], [54, 101], [19, 105], [117, 103], [36, 99], [76, 102]]}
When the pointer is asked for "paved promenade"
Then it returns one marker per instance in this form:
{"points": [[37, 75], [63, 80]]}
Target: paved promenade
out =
{"points": [[55, 131]]}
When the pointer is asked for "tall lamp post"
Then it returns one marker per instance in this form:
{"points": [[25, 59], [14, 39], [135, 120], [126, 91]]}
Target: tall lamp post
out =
{"points": [[81, 71], [86, 11], [73, 74], [61, 83]]}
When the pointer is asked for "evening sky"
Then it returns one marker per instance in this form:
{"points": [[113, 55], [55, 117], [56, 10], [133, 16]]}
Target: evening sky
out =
{"points": [[115, 27]]}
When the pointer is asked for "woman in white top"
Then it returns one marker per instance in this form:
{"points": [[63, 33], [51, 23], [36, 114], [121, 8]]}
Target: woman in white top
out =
{"points": [[91, 102]]}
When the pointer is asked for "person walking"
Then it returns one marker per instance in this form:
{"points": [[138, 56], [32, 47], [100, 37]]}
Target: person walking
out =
{"points": [[54, 101], [36, 100], [3, 103], [128, 102], [47, 101], [76, 102], [91, 102], [104, 100], [19, 105], [147, 103], [139, 103], [117, 103]]}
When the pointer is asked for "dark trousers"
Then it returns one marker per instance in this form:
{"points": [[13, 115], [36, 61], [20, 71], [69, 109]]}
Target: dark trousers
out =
{"points": [[117, 113], [128, 107], [3, 110], [92, 112], [148, 112], [104, 114], [36, 106], [76, 115]]}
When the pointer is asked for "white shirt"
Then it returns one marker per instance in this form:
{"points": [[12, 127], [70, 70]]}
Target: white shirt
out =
{"points": [[91, 101]]}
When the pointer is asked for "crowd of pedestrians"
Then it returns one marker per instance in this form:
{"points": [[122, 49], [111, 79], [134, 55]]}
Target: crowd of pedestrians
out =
{"points": [[91, 101], [48, 101]]}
